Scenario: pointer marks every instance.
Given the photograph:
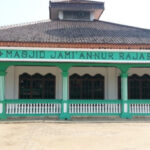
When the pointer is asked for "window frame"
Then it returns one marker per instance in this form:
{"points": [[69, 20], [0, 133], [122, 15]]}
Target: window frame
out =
{"points": [[82, 80], [77, 13], [43, 87], [140, 79]]}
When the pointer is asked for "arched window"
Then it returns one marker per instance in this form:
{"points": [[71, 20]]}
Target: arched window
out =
{"points": [[49, 84], [25, 86], [36, 86], [86, 86], [134, 87], [119, 87], [98, 85], [138, 87], [145, 87], [75, 86]]}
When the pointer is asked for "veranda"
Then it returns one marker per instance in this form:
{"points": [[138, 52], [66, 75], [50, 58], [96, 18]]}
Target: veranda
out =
{"points": [[66, 107]]}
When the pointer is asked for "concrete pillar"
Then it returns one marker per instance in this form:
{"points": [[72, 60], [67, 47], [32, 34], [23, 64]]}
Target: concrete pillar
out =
{"points": [[124, 94], [65, 106], [2, 95]]}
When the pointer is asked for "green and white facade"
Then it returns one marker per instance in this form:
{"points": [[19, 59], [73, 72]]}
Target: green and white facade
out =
{"points": [[67, 82]]}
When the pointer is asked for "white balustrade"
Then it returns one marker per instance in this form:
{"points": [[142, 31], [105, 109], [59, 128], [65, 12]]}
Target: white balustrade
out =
{"points": [[33, 108], [94, 108], [139, 108]]}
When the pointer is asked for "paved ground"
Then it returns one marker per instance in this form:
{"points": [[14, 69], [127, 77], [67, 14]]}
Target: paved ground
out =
{"points": [[75, 136]]}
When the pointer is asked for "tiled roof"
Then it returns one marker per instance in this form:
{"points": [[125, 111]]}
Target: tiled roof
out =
{"points": [[73, 5], [76, 32]]}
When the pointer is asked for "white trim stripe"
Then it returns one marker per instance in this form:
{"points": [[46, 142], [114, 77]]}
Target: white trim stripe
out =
{"points": [[70, 60]]}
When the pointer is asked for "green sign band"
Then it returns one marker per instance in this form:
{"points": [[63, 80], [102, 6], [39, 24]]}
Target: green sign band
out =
{"points": [[50, 55]]}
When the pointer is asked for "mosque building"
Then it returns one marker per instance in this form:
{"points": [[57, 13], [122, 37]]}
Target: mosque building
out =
{"points": [[74, 64]]}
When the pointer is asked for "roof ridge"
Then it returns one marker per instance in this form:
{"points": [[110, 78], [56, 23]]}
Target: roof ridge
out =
{"points": [[23, 24]]}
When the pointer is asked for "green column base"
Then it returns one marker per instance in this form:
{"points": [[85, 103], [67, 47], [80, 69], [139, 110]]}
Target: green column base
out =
{"points": [[126, 116], [3, 117], [64, 116]]}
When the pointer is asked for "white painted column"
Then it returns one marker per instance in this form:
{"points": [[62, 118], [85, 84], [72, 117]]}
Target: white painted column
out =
{"points": [[112, 83], [10, 83]]}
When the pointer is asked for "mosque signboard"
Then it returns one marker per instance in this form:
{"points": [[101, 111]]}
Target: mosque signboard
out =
{"points": [[74, 56]]}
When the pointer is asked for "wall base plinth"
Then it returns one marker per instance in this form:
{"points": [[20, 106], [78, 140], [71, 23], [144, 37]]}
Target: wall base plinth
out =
{"points": [[2, 117], [126, 116], [64, 116]]}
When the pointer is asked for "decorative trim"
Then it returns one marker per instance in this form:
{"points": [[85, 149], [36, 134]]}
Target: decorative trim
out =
{"points": [[3, 73], [65, 74], [74, 56]]}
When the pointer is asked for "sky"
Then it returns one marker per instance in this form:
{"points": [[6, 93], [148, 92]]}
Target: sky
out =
{"points": [[128, 12]]}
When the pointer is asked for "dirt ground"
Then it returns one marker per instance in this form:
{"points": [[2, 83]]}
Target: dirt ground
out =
{"points": [[75, 136]]}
